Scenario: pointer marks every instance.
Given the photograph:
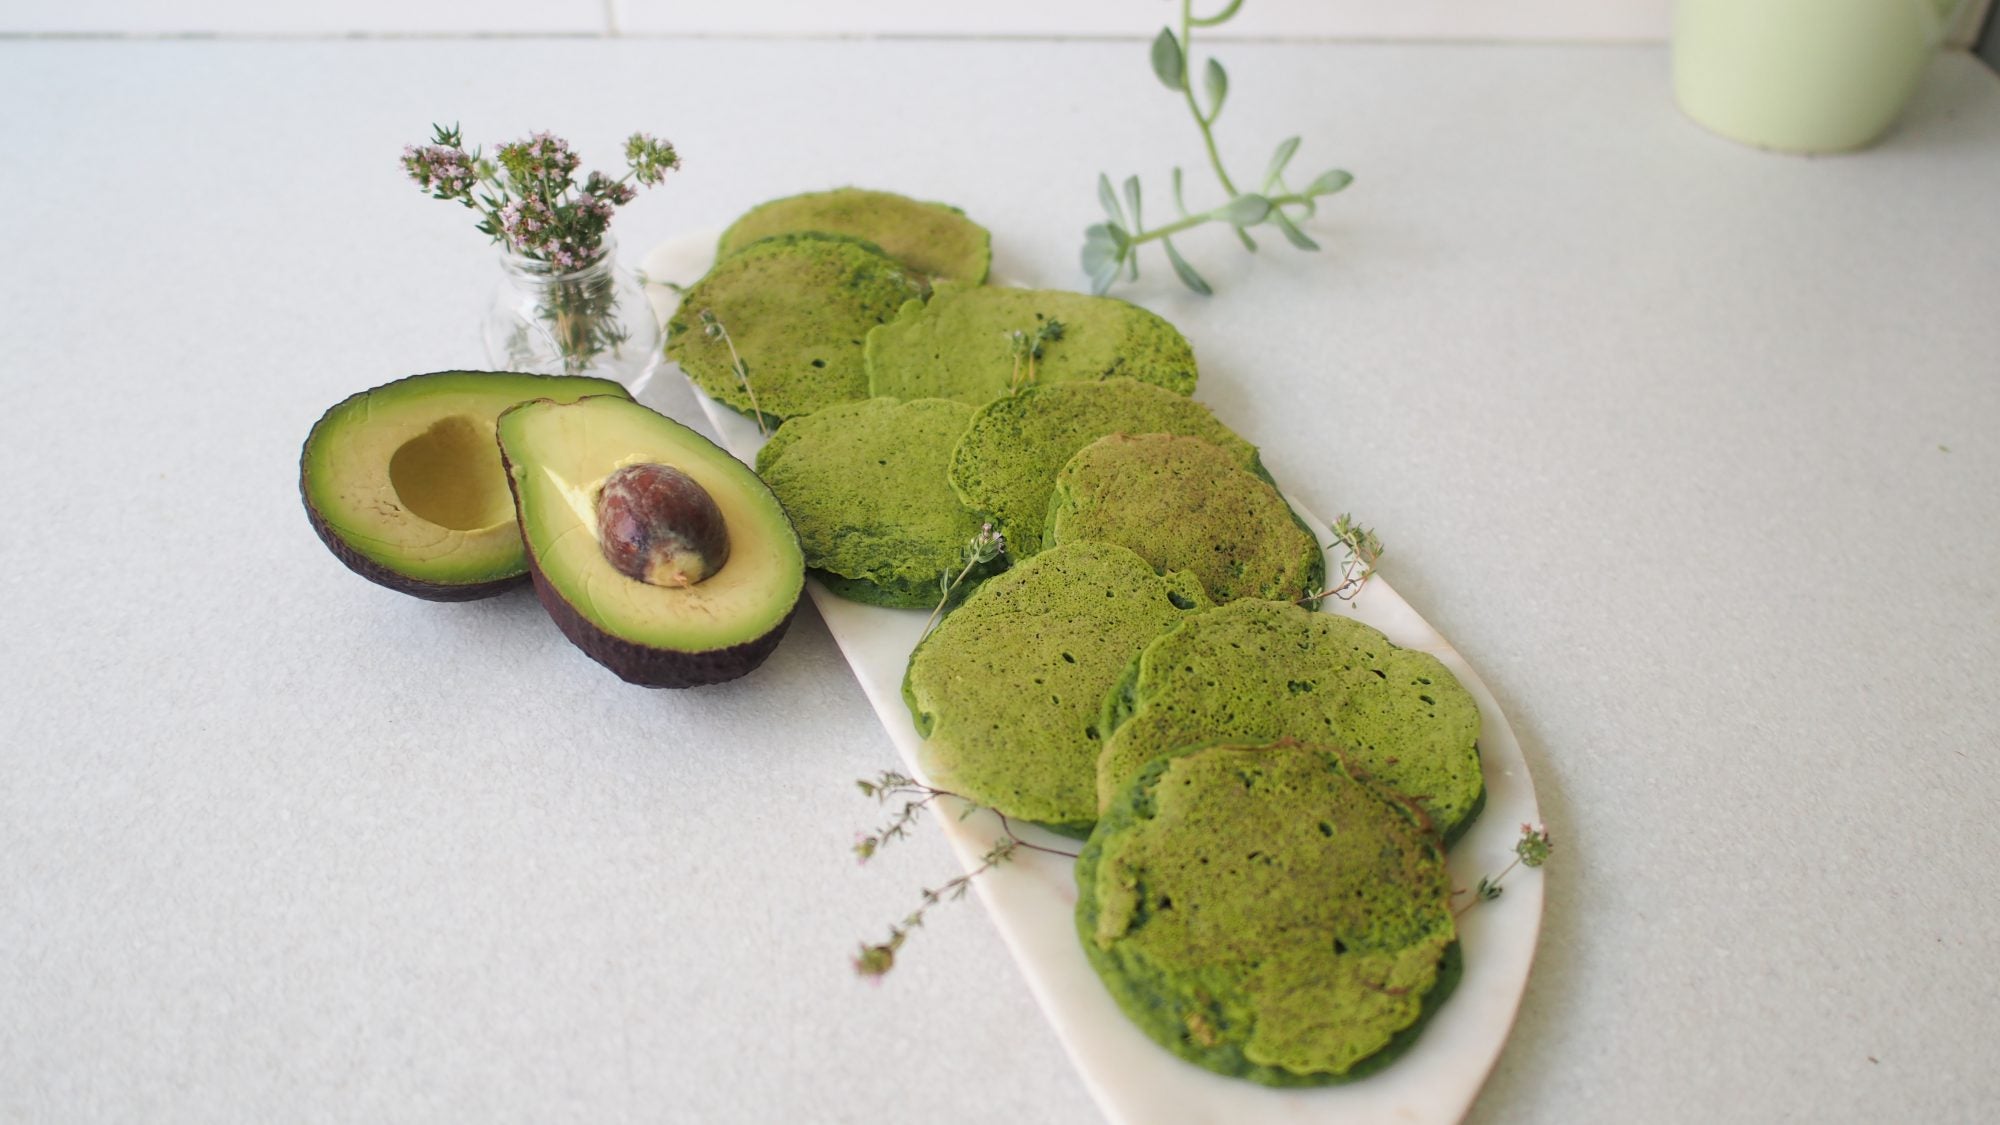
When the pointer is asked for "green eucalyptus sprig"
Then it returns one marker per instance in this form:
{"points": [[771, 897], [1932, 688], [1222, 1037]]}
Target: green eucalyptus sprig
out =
{"points": [[1111, 248], [875, 959], [1531, 850]]}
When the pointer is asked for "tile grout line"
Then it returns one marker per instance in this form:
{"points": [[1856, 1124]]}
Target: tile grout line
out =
{"points": [[612, 31]]}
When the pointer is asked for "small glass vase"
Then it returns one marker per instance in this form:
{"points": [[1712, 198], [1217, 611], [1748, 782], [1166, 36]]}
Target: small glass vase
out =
{"points": [[591, 320]]}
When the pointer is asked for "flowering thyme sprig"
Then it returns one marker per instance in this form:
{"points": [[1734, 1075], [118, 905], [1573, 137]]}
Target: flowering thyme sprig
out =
{"points": [[1027, 348], [1531, 850], [873, 960], [981, 549], [1361, 550], [713, 329], [884, 787], [527, 195], [876, 960]]}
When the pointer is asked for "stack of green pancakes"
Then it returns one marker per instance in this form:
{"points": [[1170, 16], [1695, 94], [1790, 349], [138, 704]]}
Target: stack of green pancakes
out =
{"points": [[1183, 503], [960, 344], [1266, 791], [1005, 466], [1008, 689], [932, 240], [1257, 671], [1268, 912], [794, 309], [864, 483]]}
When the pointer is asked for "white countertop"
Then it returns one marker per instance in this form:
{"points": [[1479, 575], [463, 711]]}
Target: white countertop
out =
{"points": [[1692, 451]]}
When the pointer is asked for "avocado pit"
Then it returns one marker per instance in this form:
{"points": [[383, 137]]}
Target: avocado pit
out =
{"points": [[658, 526]]}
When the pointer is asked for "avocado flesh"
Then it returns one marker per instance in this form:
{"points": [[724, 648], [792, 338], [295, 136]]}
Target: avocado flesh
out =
{"points": [[558, 457], [403, 481]]}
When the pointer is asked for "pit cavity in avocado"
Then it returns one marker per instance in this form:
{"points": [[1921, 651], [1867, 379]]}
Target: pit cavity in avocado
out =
{"points": [[403, 482]]}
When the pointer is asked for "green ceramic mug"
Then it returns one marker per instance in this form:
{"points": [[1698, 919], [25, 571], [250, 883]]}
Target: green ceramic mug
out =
{"points": [[1803, 75]]}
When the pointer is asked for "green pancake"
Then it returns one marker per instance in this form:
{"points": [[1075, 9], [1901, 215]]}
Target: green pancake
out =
{"points": [[1006, 690], [797, 307], [864, 484], [1258, 671], [1268, 913], [958, 345], [934, 240], [1005, 466], [1183, 504]]}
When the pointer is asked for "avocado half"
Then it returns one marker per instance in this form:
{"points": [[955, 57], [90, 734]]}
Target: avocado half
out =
{"points": [[558, 458], [403, 482]]}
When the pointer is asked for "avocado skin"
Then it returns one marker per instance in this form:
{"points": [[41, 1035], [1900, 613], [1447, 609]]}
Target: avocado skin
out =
{"points": [[648, 666], [382, 576]]}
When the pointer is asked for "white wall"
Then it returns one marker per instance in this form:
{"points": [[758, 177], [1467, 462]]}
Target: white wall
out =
{"points": [[1646, 20]]}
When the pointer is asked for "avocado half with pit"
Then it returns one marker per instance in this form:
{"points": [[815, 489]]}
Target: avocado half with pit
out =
{"points": [[657, 553], [403, 482]]}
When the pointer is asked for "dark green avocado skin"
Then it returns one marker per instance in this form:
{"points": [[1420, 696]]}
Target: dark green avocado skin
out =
{"points": [[648, 666], [382, 576]]}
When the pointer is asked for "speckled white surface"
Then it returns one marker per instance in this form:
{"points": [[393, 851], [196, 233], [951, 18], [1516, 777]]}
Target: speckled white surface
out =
{"points": [[1690, 450]]}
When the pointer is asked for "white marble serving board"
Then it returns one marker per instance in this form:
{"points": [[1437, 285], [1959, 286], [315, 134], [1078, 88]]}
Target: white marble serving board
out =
{"points": [[1032, 898]]}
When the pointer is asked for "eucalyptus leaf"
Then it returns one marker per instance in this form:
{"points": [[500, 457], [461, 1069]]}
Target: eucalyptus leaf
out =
{"points": [[1111, 234], [1249, 243], [1215, 80], [1245, 210], [1329, 182], [1132, 202], [1101, 280], [1098, 255], [1178, 205], [1168, 64], [1292, 233], [1279, 158], [1109, 199], [1186, 272]]}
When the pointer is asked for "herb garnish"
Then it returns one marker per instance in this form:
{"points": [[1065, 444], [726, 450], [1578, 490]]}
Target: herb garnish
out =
{"points": [[1531, 850], [875, 960], [713, 329], [1112, 247], [979, 550], [1027, 348], [1361, 548]]}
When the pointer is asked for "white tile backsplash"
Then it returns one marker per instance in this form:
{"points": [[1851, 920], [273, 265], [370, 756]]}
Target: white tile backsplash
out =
{"points": [[1648, 20], [304, 17]]}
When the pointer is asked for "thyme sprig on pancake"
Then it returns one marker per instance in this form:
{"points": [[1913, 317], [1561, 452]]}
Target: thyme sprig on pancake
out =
{"points": [[714, 330], [1111, 248], [981, 549], [1027, 348], [876, 959]]}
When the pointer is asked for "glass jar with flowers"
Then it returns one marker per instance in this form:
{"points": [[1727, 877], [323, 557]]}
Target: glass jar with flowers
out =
{"points": [[563, 305]]}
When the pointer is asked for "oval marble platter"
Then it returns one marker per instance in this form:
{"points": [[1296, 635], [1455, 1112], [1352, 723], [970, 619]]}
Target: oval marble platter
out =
{"points": [[1032, 899]]}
